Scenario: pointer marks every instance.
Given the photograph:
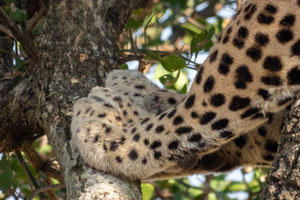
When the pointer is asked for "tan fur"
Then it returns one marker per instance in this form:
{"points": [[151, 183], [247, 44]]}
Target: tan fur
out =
{"points": [[134, 129]]}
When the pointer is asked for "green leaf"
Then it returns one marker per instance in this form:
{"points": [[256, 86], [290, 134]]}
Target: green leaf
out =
{"points": [[8, 2], [154, 42], [124, 66], [182, 4], [191, 27], [19, 171], [184, 89], [198, 42], [18, 14], [211, 32], [148, 191], [4, 51], [134, 24], [235, 187], [149, 19], [208, 45], [172, 63], [152, 55], [20, 65], [195, 193], [45, 149], [168, 80], [138, 12], [202, 40], [25, 188], [5, 174], [37, 30]]}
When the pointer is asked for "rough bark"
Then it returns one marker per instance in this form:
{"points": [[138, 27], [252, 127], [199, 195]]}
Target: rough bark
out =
{"points": [[283, 182], [77, 48]]}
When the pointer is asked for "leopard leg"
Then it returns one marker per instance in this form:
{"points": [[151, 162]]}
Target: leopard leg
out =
{"points": [[256, 149]]}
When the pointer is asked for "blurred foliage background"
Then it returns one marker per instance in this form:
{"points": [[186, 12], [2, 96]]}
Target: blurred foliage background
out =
{"points": [[167, 40]]}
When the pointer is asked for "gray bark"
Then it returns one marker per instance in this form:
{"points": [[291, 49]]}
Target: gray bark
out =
{"points": [[283, 182], [77, 48]]}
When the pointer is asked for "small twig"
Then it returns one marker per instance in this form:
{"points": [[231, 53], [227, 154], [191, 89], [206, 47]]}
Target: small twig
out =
{"points": [[129, 58], [194, 22], [32, 182], [132, 44], [32, 23], [238, 3], [147, 68], [24, 38], [38, 163], [207, 189], [163, 194], [146, 26], [46, 188], [164, 53], [17, 49], [250, 193], [260, 183], [19, 195], [11, 192], [7, 32], [50, 193], [192, 68], [188, 185]]}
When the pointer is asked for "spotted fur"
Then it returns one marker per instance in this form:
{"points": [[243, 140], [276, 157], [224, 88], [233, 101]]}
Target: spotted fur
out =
{"points": [[231, 116]]}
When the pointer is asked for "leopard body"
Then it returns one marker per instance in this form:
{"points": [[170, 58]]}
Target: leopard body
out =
{"points": [[232, 116]]}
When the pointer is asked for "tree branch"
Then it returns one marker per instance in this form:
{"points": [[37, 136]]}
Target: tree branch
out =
{"points": [[46, 188], [283, 182], [82, 47], [24, 38], [38, 163]]}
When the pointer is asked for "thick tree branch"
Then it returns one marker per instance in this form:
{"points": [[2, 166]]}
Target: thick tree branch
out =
{"points": [[283, 182], [19, 113], [77, 53]]}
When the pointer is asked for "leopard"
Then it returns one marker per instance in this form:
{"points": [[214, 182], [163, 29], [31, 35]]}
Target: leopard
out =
{"points": [[232, 116]]}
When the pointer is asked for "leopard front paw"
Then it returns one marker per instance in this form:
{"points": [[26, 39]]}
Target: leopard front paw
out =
{"points": [[104, 148]]}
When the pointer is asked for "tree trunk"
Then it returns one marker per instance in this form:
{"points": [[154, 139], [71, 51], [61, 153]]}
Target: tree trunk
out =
{"points": [[77, 47], [283, 182]]}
